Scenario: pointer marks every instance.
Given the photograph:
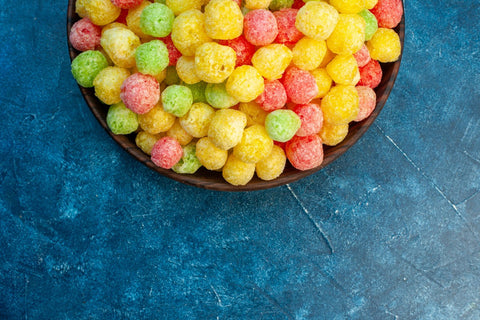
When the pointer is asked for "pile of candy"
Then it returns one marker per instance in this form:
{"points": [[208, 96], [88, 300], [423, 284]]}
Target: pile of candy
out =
{"points": [[235, 86]]}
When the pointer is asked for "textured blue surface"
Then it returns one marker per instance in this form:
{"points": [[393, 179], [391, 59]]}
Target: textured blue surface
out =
{"points": [[388, 231]]}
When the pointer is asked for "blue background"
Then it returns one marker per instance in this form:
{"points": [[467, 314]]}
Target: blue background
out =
{"points": [[388, 231]]}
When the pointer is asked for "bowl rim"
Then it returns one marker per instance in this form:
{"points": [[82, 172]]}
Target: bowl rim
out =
{"points": [[213, 180]]}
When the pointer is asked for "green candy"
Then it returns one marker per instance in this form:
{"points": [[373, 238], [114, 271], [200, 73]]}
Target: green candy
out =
{"points": [[282, 124], [280, 4], [371, 23], [157, 20], [177, 100], [172, 76], [121, 120], [198, 91], [218, 97], [87, 65], [189, 162], [152, 57]]}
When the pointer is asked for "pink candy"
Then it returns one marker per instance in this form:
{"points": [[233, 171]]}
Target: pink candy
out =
{"points": [[84, 35], [243, 49], [371, 74], [388, 13], [312, 119], [362, 56], [140, 92], [367, 102], [300, 85], [173, 52], [260, 27], [273, 97], [126, 4], [305, 153], [166, 152], [288, 34]]}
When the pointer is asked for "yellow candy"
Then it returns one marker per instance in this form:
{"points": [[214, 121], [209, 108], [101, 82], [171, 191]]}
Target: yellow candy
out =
{"points": [[308, 53], [145, 141], [178, 133], [385, 45], [245, 84], [210, 156], [226, 128], [133, 20], [197, 121], [108, 82], [120, 45], [80, 8], [179, 6], [186, 70], [324, 81], [223, 19], [254, 146], [348, 6], [272, 166], [255, 114], [332, 134], [340, 105], [344, 70], [348, 36], [156, 120], [257, 4], [316, 19], [272, 60], [237, 172], [329, 55], [100, 12], [188, 32], [113, 25], [369, 4], [214, 63]]}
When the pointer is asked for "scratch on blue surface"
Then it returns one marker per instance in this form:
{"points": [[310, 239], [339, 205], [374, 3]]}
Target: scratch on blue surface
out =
{"points": [[273, 301]]}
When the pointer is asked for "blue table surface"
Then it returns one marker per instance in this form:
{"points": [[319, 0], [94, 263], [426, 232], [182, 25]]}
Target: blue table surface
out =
{"points": [[388, 231]]}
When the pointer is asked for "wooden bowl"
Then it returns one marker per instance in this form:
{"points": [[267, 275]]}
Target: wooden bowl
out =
{"points": [[204, 178]]}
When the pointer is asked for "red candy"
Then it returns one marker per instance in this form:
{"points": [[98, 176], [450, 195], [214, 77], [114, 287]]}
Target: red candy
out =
{"points": [[297, 4], [126, 4], [367, 102], [288, 34], [166, 152], [370, 74], [173, 52], [305, 153], [300, 85], [362, 56], [243, 49], [260, 27], [122, 18], [312, 119], [273, 97], [140, 92], [84, 35], [388, 13]]}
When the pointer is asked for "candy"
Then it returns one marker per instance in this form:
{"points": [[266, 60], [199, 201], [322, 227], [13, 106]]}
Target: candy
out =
{"points": [[84, 35], [344, 70], [173, 52], [305, 153], [237, 172], [371, 24], [157, 20], [226, 128], [317, 20], [198, 91], [156, 120], [297, 4], [272, 166], [166, 152], [188, 163], [340, 105], [122, 18], [120, 45], [273, 97], [152, 57], [311, 117], [86, 66], [385, 45], [257, 4], [362, 56], [280, 4], [329, 55], [332, 134], [188, 32], [254, 146], [134, 17], [178, 133], [121, 120], [288, 34], [177, 100], [260, 27], [186, 70], [348, 6], [282, 124], [101, 12], [217, 96], [255, 114], [242, 48], [145, 141], [300, 85], [369, 4], [197, 121], [108, 82], [309, 53], [126, 4], [80, 8], [245, 84], [371, 74], [388, 13], [223, 20], [214, 62], [348, 36], [272, 60], [140, 92], [209, 155], [323, 80], [180, 6], [113, 25], [367, 100]]}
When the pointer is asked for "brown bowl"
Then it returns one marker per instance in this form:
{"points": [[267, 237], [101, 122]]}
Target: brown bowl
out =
{"points": [[204, 178]]}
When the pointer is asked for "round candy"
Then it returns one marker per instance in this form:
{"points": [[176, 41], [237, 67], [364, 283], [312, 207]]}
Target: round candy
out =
{"points": [[188, 163], [145, 141], [86, 66], [121, 120], [272, 166], [344, 70], [157, 20], [317, 20], [179, 6], [254, 146], [385, 45], [371, 74], [371, 24], [272, 60], [282, 124], [197, 121], [348, 36], [288, 34], [369, 4], [152, 57], [166, 152], [311, 117], [140, 92], [134, 17], [198, 91], [260, 27], [340, 105], [80, 8], [323, 80], [217, 96], [245, 84], [120, 45], [237, 172], [223, 19], [178, 133], [348, 6], [273, 97], [177, 100], [367, 100], [242, 48], [101, 12], [308, 53], [113, 25], [186, 70], [333, 134], [255, 114], [126, 4], [213, 62], [305, 153], [280, 4], [188, 32], [209, 155], [388, 13], [84, 35], [108, 82], [297, 4], [300, 85], [173, 52], [156, 120], [257, 4], [226, 128], [362, 56]]}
